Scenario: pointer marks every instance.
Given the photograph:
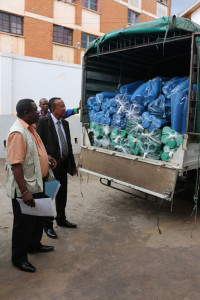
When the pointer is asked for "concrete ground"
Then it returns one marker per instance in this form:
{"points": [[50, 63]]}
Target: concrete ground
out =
{"points": [[115, 253]]}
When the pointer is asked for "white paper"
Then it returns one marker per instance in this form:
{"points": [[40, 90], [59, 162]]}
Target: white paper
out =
{"points": [[43, 207]]}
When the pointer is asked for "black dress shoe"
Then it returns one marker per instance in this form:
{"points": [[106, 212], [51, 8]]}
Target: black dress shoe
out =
{"points": [[50, 233], [25, 266], [42, 249], [66, 223]]}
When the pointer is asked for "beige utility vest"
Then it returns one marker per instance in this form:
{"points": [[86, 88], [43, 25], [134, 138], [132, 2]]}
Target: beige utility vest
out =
{"points": [[31, 166]]}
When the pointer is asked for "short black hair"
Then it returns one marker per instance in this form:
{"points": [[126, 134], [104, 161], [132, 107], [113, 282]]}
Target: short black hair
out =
{"points": [[24, 105], [52, 103]]}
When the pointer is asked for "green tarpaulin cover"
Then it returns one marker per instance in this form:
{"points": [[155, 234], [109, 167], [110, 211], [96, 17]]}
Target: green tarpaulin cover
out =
{"points": [[164, 24]]}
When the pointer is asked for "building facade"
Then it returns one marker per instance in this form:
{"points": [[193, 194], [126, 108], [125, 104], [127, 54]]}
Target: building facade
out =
{"points": [[60, 30]]}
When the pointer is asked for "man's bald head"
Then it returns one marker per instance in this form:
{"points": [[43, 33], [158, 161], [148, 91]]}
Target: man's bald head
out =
{"points": [[44, 105]]}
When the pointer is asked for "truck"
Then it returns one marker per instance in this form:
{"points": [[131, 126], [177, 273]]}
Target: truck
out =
{"points": [[168, 47]]}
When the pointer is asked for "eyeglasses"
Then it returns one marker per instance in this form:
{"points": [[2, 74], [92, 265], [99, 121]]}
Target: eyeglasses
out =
{"points": [[61, 106]]}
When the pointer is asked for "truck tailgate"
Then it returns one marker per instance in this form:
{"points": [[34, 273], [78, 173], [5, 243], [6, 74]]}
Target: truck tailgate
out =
{"points": [[150, 178]]}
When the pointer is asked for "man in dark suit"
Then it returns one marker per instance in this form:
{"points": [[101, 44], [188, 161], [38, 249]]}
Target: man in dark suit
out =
{"points": [[55, 134]]}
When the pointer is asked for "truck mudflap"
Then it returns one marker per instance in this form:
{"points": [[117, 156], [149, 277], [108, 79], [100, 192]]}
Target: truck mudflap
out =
{"points": [[153, 179]]}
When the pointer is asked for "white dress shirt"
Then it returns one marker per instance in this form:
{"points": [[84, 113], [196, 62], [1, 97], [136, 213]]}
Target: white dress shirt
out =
{"points": [[55, 121]]}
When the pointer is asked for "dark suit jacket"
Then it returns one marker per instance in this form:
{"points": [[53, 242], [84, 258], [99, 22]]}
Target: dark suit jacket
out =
{"points": [[48, 134]]}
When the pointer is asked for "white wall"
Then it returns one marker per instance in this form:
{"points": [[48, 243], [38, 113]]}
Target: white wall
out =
{"points": [[24, 77], [90, 22], [195, 16], [13, 6]]}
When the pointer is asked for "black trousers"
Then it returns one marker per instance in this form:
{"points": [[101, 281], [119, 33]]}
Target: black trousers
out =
{"points": [[60, 174], [27, 232]]}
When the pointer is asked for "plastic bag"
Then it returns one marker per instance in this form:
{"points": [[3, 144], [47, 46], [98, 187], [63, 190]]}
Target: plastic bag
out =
{"points": [[92, 104], [184, 119], [152, 91], [157, 107], [135, 111], [105, 142], [167, 153], [135, 128], [106, 130], [171, 138], [151, 122], [92, 116], [177, 109], [130, 88], [118, 122], [183, 85], [135, 144], [123, 104], [150, 150], [100, 97], [138, 95], [171, 84], [123, 146], [153, 137]]}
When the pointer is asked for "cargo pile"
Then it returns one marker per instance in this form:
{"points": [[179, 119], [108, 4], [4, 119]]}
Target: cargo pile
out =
{"points": [[143, 118]]}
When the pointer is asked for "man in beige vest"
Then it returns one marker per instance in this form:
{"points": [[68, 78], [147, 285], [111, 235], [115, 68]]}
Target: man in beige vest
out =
{"points": [[27, 167]]}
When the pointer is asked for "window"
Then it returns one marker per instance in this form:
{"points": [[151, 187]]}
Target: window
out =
{"points": [[91, 4], [163, 1], [86, 39], [11, 23], [67, 1], [132, 17], [161, 10], [62, 35]]}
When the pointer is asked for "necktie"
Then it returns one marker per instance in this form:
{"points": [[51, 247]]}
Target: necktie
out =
{"points": [[62, 140]]}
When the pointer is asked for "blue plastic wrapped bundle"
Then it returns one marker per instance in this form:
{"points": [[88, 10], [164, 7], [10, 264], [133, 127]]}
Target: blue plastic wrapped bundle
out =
{"points": [[184, 119], [112, 110], [151, 122], [118, 122], [100, 97], [111, 106], [135, 111], [138, 95], [195, 87], [178, 100], [167, 109], [105, 105], [105, 119], [130, 88], [152, 91], [135, 128], [109, 103], [92, 116], [98, 117], [183, 85], [92, 104], [171, 84]]}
